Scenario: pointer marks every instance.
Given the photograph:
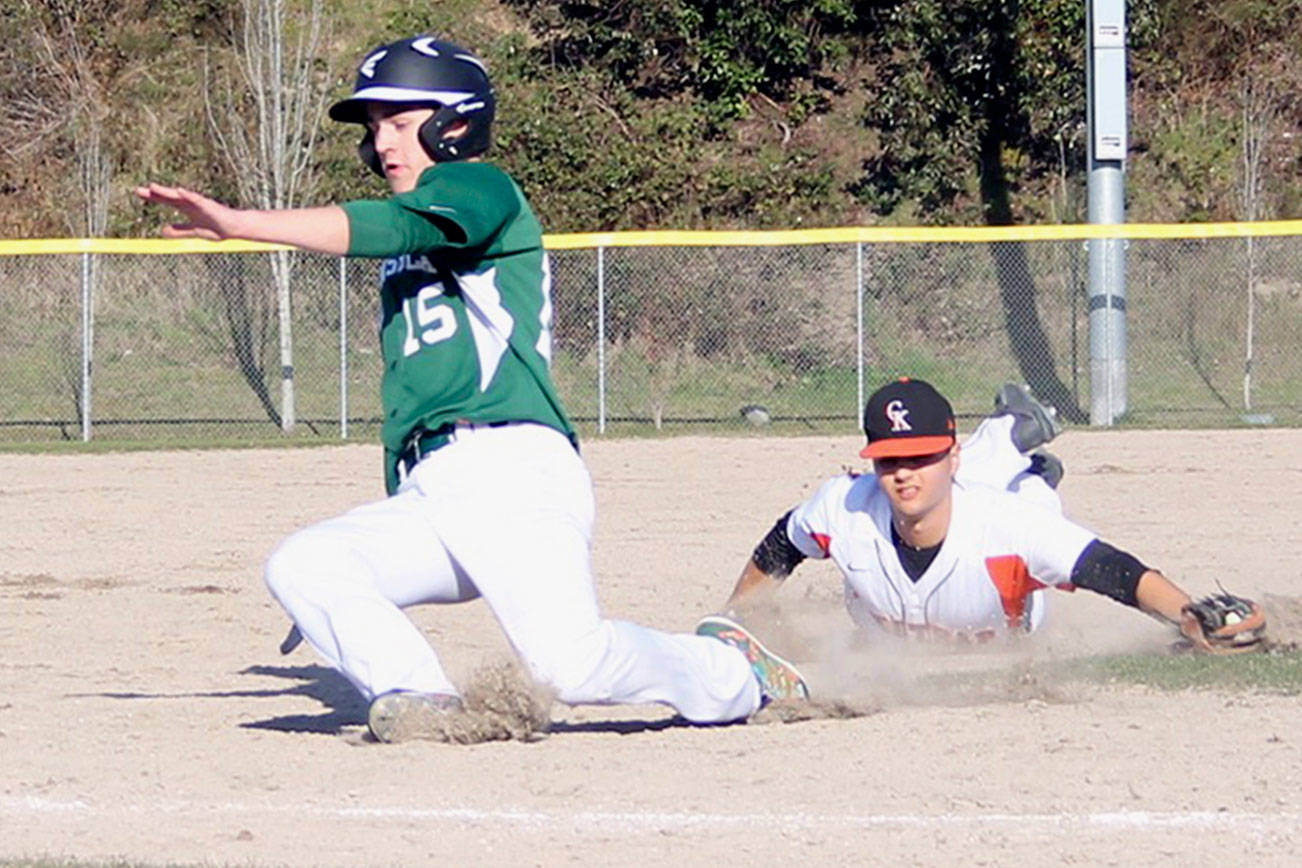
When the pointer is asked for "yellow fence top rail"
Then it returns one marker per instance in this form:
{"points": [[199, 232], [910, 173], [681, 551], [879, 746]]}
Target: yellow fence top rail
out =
{"points": [[921, 234], [708, 238], [40, 246]]}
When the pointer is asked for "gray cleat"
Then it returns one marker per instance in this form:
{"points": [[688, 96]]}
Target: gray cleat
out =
{"points": [[403, 714], [1035, 424]]}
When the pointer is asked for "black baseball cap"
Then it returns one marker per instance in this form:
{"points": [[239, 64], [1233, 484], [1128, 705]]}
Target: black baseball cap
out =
{"points": [[906, 418]]}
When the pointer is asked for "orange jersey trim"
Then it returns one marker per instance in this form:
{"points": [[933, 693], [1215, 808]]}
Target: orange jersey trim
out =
{"points": [[1014, 583]]}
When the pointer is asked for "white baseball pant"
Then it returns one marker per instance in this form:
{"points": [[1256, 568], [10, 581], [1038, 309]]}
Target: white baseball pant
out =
{"points": [[506, 514], [988, 457]]}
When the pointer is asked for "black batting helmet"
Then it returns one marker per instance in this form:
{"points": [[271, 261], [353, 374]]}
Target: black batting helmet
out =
{"points": [[425, 70]]}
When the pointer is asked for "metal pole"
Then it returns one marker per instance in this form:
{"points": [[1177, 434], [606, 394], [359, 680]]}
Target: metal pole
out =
{"points": [[1106, 142], [1250, 330], [601, 340], [343, 348], [858, 325], [87, 344]]}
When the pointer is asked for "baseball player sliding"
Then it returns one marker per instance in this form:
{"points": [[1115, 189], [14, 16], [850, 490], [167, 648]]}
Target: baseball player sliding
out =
{"points": [[488, 496], [931, 546]]}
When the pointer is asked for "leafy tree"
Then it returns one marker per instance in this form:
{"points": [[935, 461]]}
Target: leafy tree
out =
{"points": [[723, 53], [984, 86], [705, 113]]}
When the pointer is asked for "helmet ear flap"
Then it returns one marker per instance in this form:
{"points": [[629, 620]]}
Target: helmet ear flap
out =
{"points": [[431, 133], [471, 143], [366, 150]]}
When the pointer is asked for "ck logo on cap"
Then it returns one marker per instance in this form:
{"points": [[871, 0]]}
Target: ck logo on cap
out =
{"points": [[898, 414]]}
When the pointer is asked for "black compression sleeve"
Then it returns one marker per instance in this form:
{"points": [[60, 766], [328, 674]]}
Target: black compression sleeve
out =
{"points": [[776, 555], [1109, 571]]}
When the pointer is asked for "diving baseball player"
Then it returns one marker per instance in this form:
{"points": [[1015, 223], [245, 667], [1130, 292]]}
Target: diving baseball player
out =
{"points": [[931, 547], [488, 496]]}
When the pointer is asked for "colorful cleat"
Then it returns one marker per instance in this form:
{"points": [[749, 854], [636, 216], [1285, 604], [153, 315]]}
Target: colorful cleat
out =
{"points": [[778, 678], [403, 714], [1035, 424]]}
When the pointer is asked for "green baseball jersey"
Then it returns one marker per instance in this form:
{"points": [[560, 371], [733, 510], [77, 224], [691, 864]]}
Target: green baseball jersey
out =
{"points": [[465, 289]]}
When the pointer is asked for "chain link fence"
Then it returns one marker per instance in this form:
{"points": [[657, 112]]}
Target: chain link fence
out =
{"points": [[653, 336]]}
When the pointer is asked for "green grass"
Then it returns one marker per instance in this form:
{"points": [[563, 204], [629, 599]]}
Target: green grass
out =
{"points": [[151, 370], [1276, 672], [173, 441]]}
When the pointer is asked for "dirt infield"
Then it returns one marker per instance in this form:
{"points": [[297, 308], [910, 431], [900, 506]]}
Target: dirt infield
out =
{"points": [[146, 713]]}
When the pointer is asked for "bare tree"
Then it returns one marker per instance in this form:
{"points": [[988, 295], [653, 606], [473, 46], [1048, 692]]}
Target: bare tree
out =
{"points": [[53, 92], [57, 95], [33, 101], [1259, 104], [265, 113]]}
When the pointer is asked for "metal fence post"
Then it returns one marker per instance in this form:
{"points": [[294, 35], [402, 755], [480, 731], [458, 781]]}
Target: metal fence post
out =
{"points": [[87, 343], [601, 340], [1105, 69], [343, 348], [858, 324]]}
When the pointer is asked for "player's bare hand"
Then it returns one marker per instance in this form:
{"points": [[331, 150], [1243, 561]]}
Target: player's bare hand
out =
{"points": [[205, 218]]}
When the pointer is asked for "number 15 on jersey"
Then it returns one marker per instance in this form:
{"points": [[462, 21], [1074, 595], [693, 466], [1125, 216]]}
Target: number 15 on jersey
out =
{"points": [[429, 319]]}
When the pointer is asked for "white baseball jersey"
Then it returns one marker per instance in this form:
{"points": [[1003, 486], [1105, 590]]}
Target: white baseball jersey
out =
{"points": [[1000, 551]]}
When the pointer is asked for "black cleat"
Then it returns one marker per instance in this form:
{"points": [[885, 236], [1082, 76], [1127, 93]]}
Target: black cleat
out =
{"points": [[1047, 465]]}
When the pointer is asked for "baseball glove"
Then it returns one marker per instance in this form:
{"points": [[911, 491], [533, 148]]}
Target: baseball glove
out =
{"points": [[1224, 624]]}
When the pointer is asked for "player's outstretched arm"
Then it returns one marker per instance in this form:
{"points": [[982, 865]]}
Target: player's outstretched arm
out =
{"points": [[324, 230], [1159, 596], [754, 588], [771, 562]]}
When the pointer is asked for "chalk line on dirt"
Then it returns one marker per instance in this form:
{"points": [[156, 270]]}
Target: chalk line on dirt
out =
{"points": [[26, 806]]}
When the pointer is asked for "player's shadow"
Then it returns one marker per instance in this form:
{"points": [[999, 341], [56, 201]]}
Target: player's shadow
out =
{"points": [[345, 706], [630, 727]]}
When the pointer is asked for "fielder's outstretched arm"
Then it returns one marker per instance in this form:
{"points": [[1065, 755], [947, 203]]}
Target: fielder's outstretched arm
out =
{"points": [[771, 562], [754, 587], [1160, 597], [1107, 570], [1119, 575], [323, 230]]}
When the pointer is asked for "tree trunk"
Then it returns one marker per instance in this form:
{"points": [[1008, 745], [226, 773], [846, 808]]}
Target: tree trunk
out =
{"points": [[1029, 343]]}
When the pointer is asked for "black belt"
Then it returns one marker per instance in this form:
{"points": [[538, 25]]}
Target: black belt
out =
{"points": [[423, 441]]}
